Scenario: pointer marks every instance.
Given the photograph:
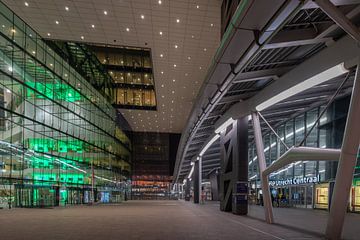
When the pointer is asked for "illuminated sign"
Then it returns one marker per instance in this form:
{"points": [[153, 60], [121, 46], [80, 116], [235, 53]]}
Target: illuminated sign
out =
{"points": [[294, 181]]}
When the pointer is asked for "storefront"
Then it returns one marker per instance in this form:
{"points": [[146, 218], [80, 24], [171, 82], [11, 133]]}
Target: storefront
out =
{"points": [[322, 196], [355, 196], [324, 191], [29, 196], [294, 192]]}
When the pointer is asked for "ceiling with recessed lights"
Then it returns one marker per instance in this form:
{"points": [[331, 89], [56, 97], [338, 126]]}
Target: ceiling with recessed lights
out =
{"points": [[182, 34]]}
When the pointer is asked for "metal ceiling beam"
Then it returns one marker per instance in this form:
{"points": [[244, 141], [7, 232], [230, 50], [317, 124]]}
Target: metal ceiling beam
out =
{"points": [[297, 43], [311, 4], [341, 51], [261, 74], [339, 18]]}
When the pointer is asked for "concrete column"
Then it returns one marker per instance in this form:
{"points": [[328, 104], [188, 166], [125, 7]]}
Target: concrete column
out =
{"points": [[200, 177], [262, 166], [346, 166], [214, 181], [234, 168], [196, 181], [187, 190]]}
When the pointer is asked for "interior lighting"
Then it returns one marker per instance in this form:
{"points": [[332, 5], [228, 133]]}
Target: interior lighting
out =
{"points": [[92, 25], [191, 171], [57, 22], [224, 125], [142, 16], [308, 83], [26, 4], [127, 29], [105, 12], [177, 20], [48, 34], [216, 137], [176, 46], [160, 32], [160, 2], [66, 8]]}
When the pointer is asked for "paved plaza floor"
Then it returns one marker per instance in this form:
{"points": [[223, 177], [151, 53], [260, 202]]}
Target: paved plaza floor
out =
{"points": [[164, 220]]}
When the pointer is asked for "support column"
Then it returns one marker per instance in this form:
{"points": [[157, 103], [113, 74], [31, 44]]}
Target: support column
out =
{"points": [[187, 190], [234, 168], [346, 166], [262, 166], [196, 181]]}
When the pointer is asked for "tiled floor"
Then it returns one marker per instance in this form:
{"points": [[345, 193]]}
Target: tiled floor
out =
{"points": [[155, 220]]}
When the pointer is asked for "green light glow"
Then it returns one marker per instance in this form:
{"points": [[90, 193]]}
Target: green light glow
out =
{"points": [[64, 178], [47, 145], [53, 91]]}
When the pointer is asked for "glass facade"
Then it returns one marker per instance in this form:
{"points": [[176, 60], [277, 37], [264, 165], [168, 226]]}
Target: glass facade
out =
{"points": [[131, 71], [59, 142], [327, 133]]}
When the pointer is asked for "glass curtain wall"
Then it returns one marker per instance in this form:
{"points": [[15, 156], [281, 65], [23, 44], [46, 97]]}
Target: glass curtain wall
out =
{"points": [[327, 133], [59, 143]]}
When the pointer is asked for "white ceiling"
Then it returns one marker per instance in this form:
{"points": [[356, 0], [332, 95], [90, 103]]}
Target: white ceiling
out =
{"points": [[197, 36]]}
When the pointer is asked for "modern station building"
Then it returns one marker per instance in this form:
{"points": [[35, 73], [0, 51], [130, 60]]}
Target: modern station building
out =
{"points": [[242, 102]]}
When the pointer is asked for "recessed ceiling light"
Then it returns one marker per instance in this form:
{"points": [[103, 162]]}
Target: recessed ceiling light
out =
{"points": [[192, 36], [212, 25], [172, 101], [162, 72], [105, 12], [49, 34], [160, 2], [199, 67], [162, 85], [174, 65], [160, 32], [57, 22], [177, 20], [26, 4], [176, 46], [127, 29], [92, 25], [172, 92], [186, 74], [197, 6], [142, 16], [173, 80], [33, 52], [82, 37], [161, 55], [66, 8], [204, 49], [189, 57], [162, 96]]}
